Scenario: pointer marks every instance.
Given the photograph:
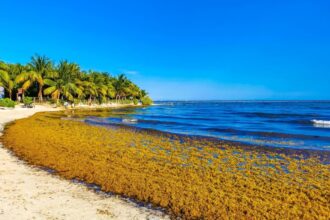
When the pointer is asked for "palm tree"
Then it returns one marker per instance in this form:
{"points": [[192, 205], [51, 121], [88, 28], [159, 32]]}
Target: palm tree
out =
{"points": [[6, 78], [104, 82], [63, 82], [28, 78], [132, 90], [88, 88], [143, 93], [101, 81], [120, 84], [40, 67], [111, 92], [66, 81]]}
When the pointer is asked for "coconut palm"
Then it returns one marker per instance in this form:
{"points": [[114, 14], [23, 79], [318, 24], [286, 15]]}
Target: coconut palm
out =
{"points": [[111, 92], [101, 81], [132, 90], [94, 85], [60, 87], [89, 89], [3, 66], [63, 82], [66, 81], [120, 85], [104, 82], [143, 93], [28, 78], [6, 78], [40, 67]]}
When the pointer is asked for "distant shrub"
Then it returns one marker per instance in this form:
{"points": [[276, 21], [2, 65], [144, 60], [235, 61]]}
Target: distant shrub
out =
{"points": [[146, 100], [51, 101], [103, 100], [6, 102], [27, 100], [135, 101], [76, 101], [125, 101]]}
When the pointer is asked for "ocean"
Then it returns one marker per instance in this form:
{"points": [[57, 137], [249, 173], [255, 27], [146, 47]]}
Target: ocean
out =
{"points": [[288, 124]]}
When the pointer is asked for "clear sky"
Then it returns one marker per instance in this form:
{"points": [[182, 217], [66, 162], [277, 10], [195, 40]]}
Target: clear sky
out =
{"points": [[224, 49]]}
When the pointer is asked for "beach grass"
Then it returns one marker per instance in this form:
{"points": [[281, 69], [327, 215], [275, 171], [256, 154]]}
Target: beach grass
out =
{"points": [[193, 178]]}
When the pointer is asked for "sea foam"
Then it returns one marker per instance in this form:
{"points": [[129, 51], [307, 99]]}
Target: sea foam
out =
{"points": [[321, 122]]}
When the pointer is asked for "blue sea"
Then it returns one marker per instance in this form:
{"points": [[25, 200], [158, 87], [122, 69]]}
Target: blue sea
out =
{"points": [[289, 124]]}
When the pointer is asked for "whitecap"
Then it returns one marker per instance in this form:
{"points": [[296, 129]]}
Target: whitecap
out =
{"points": [[321, 123], [129, 120]]}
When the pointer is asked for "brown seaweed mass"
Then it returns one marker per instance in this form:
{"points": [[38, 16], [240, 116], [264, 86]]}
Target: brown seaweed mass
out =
{"points": [[192, 178]]}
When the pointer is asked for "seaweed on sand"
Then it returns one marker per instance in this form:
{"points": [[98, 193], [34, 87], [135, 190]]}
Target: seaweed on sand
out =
{"points": [[192, 178]]}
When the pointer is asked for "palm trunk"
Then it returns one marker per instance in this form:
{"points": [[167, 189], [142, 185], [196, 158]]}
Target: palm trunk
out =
{"points": [[90, 100], [10, 94], [58, 98], [40, 93]]}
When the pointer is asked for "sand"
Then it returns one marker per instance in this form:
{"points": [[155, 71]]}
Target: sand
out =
{"points": [[28, 192]]}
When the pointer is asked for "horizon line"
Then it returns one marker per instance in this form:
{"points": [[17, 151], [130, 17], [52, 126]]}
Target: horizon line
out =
{"points": [[242, 100]]}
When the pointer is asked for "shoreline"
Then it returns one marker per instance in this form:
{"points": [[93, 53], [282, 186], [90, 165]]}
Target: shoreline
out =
{"points": [[288, 151], [34, 193]]}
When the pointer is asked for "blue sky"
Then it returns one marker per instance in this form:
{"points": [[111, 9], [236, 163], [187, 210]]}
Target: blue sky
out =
{"points": [[183, 50]]}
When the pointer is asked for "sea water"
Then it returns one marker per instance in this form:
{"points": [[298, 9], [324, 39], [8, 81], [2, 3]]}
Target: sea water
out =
{"points": [[291, 124]]}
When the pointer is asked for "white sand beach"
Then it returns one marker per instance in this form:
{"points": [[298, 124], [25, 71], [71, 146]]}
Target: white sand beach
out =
{"points": [[28, 192]]}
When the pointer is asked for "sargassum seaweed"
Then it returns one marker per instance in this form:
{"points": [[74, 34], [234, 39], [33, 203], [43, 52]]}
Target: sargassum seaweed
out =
{"points": [[192, 178]]}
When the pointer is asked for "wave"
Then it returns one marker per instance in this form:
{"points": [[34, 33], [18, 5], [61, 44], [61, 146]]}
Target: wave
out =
{"points": [[268, 134], [100, 121], [109, 121], [129, 120], [273, 115], [178, 117], [291, 121], [171, 123], [302, 122], [321, 123], [106, 121], [163, 104]]}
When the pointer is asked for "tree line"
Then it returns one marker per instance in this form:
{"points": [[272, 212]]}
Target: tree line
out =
{"points": [[41, 78]]}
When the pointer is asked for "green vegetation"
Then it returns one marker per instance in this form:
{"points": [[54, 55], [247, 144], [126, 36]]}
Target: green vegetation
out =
{"points": [[65, 81], [146, 100], [27, 100], [194, 178], [6, 102]]}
